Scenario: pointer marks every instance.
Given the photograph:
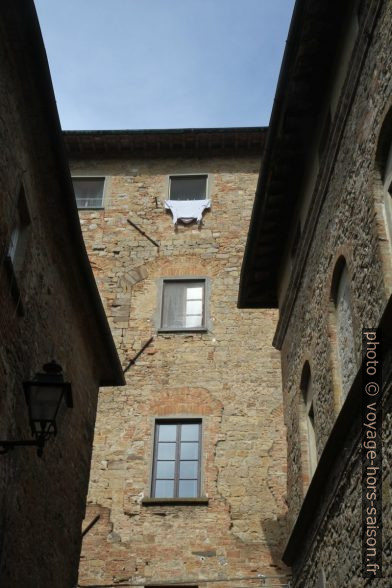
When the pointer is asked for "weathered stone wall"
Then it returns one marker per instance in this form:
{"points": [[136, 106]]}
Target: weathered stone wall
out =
{"points": [[229, 376], [351, 224], [42, 500]]}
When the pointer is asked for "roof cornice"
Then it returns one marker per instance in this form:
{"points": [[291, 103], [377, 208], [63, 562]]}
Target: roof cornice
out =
{"points": [[203, 142]]}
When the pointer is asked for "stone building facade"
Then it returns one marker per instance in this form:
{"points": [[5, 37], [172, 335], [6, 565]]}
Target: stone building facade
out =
{"points": [[45, 280], [223, 376], [319, 249]]}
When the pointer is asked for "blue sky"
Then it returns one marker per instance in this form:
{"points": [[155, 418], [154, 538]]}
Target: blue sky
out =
{"points": [[145, 64]]}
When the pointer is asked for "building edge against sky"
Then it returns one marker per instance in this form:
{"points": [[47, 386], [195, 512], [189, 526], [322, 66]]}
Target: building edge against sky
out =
{"points": [[45, 280], [319, 249]]}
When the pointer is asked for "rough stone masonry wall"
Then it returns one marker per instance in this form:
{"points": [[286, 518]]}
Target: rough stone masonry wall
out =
{"points": [[42, 500], [351, 224], [230, 376]]}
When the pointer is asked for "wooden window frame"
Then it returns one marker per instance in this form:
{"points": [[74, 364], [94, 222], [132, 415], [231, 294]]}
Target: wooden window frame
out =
{"points": [[178, 423], [205, 306]]}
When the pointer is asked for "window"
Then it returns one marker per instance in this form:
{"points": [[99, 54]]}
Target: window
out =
{"points": [[387, 191], [383, 198], [177, 453], [183, 305], [307, 395], [88, 192], [15, 237], [188, 187], [20, 227], [343, 339], [17, 244], [341, 334]]}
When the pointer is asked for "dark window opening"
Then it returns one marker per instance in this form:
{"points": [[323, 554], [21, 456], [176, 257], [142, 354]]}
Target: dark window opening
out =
{"points": [[188, 188]]}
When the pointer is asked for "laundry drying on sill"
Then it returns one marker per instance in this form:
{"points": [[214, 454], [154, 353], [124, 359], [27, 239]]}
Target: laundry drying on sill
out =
{"points": [[187, 210]]}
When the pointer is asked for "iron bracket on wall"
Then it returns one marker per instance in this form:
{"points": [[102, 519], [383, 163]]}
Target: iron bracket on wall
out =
{"points": [[133, 360], [143, 233], [91, 525]]}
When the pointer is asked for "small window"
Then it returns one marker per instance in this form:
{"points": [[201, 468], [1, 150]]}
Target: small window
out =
{"points": [[188, 188], [177, 453], [387, 189], [20, 227], [15, 237], [343, 342], [183, 305], [307, 395], [88, 192], [17, 245]]}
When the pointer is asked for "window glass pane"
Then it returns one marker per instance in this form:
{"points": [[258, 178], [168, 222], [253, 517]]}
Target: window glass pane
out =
{"points": [[190, 432], [167, 432], [88, 191], [187, 488], [189, 451], [193, 321], [189, 469], [182, 305], [164, 489], [173, 305], [188, 188], [166, 450], [165, 469], [13, 242], [194, 293], [194, 307]]}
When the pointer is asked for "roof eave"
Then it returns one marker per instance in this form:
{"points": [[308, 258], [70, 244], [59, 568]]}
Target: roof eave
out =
{"points": [[26, 14], [284, 160]]}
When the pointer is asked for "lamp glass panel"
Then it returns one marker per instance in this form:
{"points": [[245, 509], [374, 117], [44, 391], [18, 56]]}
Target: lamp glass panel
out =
{"points": [[44, 402]]}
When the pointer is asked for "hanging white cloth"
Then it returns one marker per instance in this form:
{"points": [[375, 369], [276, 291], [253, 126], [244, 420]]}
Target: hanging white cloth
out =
{"points": [[187, 210]]}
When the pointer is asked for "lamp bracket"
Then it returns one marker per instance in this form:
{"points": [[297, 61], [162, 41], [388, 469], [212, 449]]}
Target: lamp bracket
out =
{"points": [[6, 446]]}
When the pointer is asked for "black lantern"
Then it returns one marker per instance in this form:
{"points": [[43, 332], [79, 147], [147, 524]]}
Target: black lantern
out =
{"points": [[47, 395]]}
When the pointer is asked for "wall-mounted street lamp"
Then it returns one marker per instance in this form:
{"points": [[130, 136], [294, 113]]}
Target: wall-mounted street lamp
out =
{"points": [[46, 396]]}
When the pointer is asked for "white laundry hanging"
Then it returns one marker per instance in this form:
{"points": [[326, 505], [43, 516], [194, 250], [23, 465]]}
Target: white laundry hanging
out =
{"points": [[187, 210]]}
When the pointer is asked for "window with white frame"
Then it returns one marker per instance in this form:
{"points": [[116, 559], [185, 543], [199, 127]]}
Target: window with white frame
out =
{"points": [[177, 458], [188, 187], [183, 305], [88, 192]]}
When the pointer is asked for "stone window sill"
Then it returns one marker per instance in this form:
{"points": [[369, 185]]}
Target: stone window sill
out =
{"points": [[201, 501], [183, 331]]}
